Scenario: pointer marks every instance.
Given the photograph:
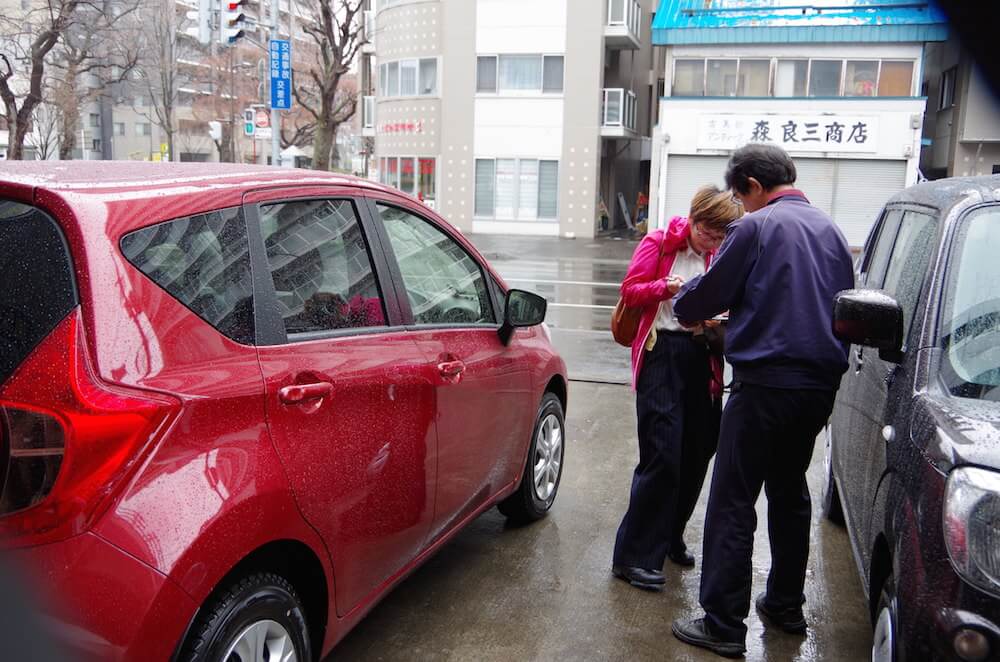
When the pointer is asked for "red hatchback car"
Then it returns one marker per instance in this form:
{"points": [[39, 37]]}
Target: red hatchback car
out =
{"points": [[239, 404]]}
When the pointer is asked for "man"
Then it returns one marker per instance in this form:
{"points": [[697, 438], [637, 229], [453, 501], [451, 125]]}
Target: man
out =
{"points": [[776, 273]]}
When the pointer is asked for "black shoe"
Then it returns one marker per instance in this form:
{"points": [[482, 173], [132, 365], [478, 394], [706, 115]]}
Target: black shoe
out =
{"points": [[650, 580], [695, 632], [789, 619], [682, 557]]}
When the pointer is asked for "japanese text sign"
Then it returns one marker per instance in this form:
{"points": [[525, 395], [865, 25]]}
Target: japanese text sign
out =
{"points": [[281, 73], [795, 133]]}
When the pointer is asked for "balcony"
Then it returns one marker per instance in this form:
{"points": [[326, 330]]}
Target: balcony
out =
{"points": [[368, 116], [624, 26], [618, 113], [369, 31]]}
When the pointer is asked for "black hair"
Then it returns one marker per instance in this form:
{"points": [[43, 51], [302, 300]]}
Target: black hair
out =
{"points": [[768, 164]]}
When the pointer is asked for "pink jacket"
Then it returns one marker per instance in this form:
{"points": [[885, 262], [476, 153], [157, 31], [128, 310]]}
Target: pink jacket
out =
{"points": [[645, 286]]}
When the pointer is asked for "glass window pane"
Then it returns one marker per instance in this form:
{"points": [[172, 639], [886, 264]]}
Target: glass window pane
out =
{"points": [[204, 262], [548, 189], [689, 78], [755, 78], [428, 77], [408, 78], [427, 179], [393, 169], [908, 264], [443, 283], [505, 187], [874, 273], [553, 74], [861, 77], [824, 79], [407, 176], [486, 74], [383, 79], [527, 207], [320, 265], [790, 78], [896, 79], [520, 72], [721, 80], [393, 84], [485, 185]]}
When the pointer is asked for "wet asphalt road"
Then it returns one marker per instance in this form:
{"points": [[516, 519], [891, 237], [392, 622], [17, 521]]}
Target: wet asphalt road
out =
{"points": [[545, 591]]}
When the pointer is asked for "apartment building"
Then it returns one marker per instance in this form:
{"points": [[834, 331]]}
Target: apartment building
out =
{"points": [[513, 116]]}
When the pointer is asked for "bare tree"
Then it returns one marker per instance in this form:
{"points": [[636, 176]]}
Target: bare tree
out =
{"points": [[337, 28], [160, 73], [46, 121]]}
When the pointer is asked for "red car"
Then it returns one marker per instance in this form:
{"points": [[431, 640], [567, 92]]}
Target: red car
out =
{"points": [[239, 404]]}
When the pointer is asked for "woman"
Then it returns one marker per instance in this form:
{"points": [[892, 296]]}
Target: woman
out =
{"points": [[678, 390]]}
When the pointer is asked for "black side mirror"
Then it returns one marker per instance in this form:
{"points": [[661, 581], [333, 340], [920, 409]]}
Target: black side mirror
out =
{"points": [[521, 309], [871, 318]]}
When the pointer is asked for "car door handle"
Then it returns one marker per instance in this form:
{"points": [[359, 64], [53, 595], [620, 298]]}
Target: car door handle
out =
{"points": [[299, 393], [451, 369]]}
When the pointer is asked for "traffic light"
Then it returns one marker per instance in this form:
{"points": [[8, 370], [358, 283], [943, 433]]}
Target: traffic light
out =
{"points": [[233, 21], [203, 18], [248, 122]]}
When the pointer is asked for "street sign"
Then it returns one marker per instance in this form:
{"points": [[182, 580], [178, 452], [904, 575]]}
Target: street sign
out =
{"points": [[281, 73], [262, 124]]}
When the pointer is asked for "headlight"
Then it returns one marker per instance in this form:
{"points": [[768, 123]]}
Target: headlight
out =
{"points": [[972, 525]]}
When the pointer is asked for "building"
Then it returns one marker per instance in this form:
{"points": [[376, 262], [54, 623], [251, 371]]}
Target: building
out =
{"points": [[513, 116], [836, 84], [962, 122]]}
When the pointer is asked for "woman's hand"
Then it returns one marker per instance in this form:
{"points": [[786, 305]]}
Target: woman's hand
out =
{"points": [[674, 284]]}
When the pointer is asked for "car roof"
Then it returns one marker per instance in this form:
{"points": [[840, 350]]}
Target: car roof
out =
{"points": [[944, 194]]}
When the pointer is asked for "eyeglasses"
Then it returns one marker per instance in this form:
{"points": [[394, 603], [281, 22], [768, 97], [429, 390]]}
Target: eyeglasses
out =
{"points": [[712, 237]]}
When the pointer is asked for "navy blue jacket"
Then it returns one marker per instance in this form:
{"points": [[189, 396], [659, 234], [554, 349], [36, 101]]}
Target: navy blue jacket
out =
{"points": [[777, 273]]}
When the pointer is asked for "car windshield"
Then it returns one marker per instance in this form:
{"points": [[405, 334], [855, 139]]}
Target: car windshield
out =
{"points": [[970, 333]]}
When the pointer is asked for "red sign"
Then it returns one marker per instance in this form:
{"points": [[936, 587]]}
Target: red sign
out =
{"points": [[262, 119], [405, 128]]}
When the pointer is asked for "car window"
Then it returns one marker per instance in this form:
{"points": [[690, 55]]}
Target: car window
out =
{"points": [[877, 255], [443, 283], [203, 261], [910, 256], [321, 266], [970, 330]]}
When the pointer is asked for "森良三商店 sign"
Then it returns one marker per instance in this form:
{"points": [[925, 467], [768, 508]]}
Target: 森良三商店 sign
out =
{"points": [[795, 133]]}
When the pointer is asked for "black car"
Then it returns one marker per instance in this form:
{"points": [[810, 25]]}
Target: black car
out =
{"points": [[913, 445]]}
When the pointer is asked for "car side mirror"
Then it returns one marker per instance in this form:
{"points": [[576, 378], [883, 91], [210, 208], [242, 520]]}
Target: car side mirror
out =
{"points": [[521, 309], [871, 318]]}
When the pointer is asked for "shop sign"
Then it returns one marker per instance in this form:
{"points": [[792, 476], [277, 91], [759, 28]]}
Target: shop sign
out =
{"points": [[795, 133]]}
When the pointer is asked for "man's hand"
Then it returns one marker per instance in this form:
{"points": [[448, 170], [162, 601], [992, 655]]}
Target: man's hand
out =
{"points": [[674, 284], [711, 324]]}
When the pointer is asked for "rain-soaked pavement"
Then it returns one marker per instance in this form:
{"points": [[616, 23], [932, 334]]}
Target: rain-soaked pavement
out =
{"points": [[545, 591]]}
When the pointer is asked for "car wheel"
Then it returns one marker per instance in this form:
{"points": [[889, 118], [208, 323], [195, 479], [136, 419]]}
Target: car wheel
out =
{"points": [[255, 619], [884, 638], [832, 508], [543, 468]]}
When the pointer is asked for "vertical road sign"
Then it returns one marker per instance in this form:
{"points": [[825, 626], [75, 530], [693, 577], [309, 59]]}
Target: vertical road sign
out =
{"points": [[281, 74]]}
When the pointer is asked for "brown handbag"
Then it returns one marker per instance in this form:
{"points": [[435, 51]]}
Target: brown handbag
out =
{"points": [[625, 319]]}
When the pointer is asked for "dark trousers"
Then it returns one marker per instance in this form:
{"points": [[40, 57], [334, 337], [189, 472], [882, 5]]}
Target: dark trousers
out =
{"points": [[767, 439], [678, 432]]}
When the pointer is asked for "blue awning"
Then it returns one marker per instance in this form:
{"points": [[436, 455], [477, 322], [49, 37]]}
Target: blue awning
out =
{"points": [[797, 21]]}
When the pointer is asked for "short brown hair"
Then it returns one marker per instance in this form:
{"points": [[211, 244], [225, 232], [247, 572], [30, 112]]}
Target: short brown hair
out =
{"points": [[714, 208]]}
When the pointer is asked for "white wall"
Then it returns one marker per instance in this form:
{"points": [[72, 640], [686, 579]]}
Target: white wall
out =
{"points": [[519, 127], [521, 26]]}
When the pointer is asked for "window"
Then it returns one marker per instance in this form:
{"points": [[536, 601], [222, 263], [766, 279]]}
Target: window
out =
{"points": [[861, 78], [824, 78], [407, 176], [520, 72], [119, 128], [523, 189], [321, 268], [948, 79], [140, 101], [428, 77], [790, 78], [971, 317], [408, 78], [392, 80], [95, 119], [95, 145], [443, 283], [552, 78], [908, 264], [689, 78], [411, 175], [896, 79], [486, 74], [426, 187], [721, 78], [143, 129], [202, 261], [755, 78], [877, 254]]}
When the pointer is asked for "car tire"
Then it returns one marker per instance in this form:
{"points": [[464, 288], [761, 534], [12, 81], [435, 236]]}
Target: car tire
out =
{"points": [[543, 467], [886, 634], [832, 508], [242, 618]]}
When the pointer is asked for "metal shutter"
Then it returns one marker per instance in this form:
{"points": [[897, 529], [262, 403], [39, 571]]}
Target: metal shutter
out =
{"points": [[685, 175], [815, 179], [861, 190]]}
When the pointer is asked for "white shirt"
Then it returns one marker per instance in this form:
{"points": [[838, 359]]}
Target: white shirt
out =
{"points": [[687, 265]]}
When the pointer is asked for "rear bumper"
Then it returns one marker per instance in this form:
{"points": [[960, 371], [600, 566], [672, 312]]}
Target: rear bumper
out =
{"points": [[98, 603]]}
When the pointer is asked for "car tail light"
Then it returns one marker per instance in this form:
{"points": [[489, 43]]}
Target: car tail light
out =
{"points": [[67, 440]]}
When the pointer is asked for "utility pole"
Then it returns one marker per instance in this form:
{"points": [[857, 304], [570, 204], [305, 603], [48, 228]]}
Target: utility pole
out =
{"points": [[275, 113]]}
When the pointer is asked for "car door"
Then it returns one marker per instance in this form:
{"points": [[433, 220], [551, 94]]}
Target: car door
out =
{"points": [[349, 399], [484, 403], [847, 454], [884, 387]]}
